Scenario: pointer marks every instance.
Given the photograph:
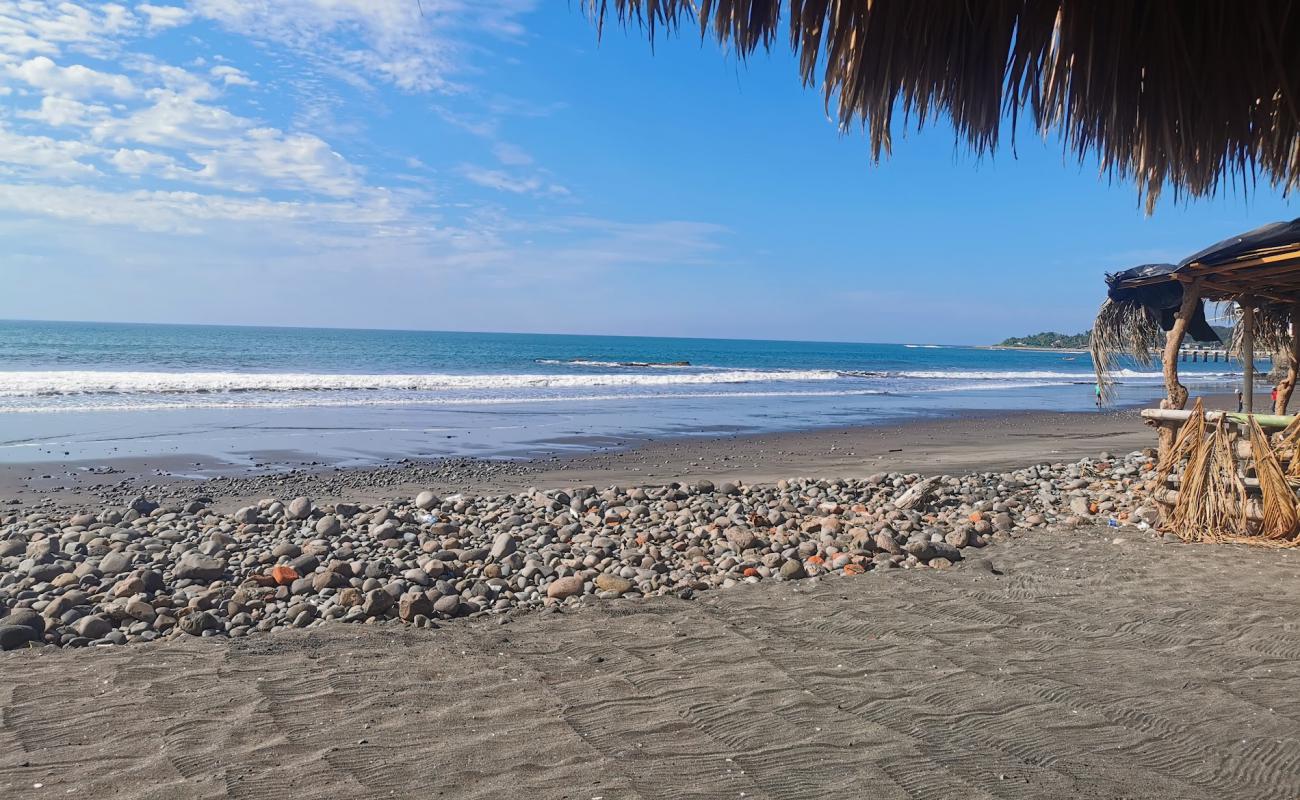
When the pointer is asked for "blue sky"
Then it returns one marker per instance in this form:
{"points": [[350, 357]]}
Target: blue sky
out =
{"points": [[474, 165]]}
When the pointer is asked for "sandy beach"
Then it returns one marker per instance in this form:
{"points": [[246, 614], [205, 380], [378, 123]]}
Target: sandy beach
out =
{"points": [[1057, 660], [1090, 666]]}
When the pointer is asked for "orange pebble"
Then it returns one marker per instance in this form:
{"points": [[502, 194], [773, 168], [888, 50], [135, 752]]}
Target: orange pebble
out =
{"points": [[854, 569], [814, 560], [284, 575], [976, 516], [750, 572]]}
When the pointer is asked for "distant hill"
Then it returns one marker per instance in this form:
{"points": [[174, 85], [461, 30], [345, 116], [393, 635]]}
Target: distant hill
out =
{"points": [[1052, 340]]}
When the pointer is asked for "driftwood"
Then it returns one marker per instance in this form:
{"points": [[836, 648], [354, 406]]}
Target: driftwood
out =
{"points": [[916, 494]]}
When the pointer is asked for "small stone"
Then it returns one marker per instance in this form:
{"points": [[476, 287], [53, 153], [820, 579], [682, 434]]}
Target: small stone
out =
{"points": [[448, 605], [377, 602], [197, 622], [193, 566], [13, 637], [561, 588], [246, 515], [92, 626], [502, 546], [299, 508], [792, 569], [329, 525], [612, 583], [426, 500]]}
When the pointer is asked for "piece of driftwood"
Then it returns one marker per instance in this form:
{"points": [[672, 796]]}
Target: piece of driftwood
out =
{"points": [[916, 494], [1178, 416]]}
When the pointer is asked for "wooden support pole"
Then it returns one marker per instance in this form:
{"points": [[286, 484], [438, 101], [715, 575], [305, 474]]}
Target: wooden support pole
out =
{"points": [[1287, 386], [1248, 350], [1175, 392]]}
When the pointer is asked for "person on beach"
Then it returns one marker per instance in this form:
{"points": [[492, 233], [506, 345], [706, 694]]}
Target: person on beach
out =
{"points": [[1099, 396], [1274, 396], [1240, 401]]}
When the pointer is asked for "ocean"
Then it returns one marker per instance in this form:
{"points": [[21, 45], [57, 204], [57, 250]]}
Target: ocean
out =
{"points": [[72, 391]]}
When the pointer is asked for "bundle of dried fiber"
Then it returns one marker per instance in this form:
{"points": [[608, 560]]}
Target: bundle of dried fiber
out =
{"points": [[1285, 443], [1121, 328], [1278, 497], [1272, 332], [1224, 502], [1189, 439], [1190, 517]]}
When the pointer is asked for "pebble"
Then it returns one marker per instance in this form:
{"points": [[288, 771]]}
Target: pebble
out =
{"points": [[141, 570]]}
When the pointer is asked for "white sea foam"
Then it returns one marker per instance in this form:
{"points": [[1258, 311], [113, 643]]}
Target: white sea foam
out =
{"points": [[88, 403], [37, 384], [979, 375]]}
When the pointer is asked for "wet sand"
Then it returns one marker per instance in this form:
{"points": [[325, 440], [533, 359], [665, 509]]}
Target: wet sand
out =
{"points": [[963, 443], [1087, 668]]}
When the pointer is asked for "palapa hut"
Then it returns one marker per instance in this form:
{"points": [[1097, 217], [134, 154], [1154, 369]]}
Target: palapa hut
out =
{"points": [[1169, 94], [1220, 475], [1165, 93]]}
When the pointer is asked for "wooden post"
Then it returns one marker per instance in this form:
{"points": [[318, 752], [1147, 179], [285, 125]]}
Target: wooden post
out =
{"points": [[1175, 392], [1248, 350], [1287, 386]]}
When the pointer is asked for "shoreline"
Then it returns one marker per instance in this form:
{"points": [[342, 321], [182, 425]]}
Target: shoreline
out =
{"points": [[961, 442]]}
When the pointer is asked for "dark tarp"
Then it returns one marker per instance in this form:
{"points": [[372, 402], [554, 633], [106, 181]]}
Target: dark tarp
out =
{"points": [[1274, 234], [1164, 298]]}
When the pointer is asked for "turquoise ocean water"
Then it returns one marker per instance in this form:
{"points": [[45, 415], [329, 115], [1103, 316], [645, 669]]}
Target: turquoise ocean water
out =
{"points": [[95, 390]]}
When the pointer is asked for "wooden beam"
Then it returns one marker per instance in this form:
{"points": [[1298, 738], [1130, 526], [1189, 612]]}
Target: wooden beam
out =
{"points": [[1286, 387], [1248, 350], [1261, 257]]}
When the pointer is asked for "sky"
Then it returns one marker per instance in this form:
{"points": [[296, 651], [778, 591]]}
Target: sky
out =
{"points": [[497, 166]]}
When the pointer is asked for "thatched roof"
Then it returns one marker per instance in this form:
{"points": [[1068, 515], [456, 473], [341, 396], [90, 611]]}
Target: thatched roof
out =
{"points": [[1264, 262], [1167, 93]]}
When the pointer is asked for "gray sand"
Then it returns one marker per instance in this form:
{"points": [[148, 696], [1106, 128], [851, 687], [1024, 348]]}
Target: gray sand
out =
{"points": [[1087, 669]]}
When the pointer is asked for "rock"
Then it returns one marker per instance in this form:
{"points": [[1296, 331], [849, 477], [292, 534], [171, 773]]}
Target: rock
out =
{"points": [[792, 569], [958, 538], [115, 563], [329, 526], [299, 508], [377, 602], [13, 637], [197, 622], [44, 573], [502, 546], [704, 486], [741, 539], [448, 605], [612, 583], [27, 618], [414, 604], [82, 520], [246, 515], [1079, 506], [427, 500], [561, 588], [92, 627], [196, 567]]}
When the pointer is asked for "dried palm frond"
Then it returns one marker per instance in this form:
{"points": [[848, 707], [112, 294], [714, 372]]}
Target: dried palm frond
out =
{"points": [[1224, 512], [1189, 439], [1278, 498], [1184, 95], [1121, 328], [1188, 519], [1272, 332]]}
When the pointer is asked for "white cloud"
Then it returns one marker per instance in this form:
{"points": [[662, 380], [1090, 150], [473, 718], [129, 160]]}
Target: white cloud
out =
{"points": [[138, 162], [164, 17], [47, 27], [74, 81], [44, 156], [266, 156], [511, 155], [535, 183], [230, 76], [401, 42]]}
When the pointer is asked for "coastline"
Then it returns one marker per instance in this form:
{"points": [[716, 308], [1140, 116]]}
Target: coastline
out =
{"points": [[961, 442]]}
